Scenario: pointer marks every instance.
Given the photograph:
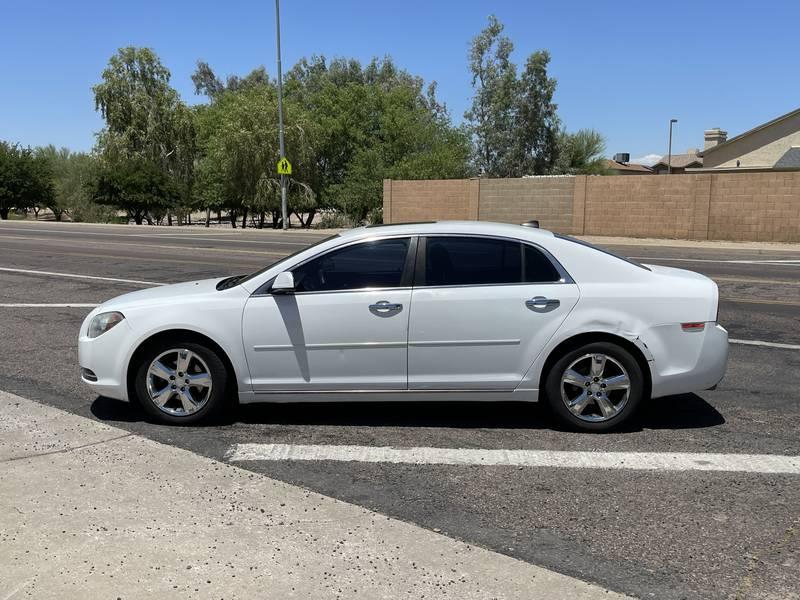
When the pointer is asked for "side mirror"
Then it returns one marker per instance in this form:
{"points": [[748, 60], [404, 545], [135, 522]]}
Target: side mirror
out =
{"points": [[283, 283]]}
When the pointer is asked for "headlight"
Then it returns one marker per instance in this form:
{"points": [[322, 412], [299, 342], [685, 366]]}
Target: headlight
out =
{"points": [[103, 322]]}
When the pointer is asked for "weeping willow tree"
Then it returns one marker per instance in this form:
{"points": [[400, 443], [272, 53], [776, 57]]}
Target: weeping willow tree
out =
{"points": [[147, 127], [238, 144]]}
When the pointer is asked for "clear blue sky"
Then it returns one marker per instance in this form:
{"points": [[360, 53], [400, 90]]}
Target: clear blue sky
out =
{"points": [[623, 68]]}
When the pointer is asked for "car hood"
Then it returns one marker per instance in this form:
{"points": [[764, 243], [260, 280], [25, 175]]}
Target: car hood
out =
{"points": [[163, 293]]}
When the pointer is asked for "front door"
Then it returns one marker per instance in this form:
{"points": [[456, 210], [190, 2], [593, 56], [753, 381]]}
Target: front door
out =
{"points": [[482, 312], [345, 326]]}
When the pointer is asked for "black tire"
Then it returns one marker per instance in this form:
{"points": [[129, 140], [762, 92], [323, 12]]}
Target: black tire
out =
{"points": [[213, 402], [620, 357]]}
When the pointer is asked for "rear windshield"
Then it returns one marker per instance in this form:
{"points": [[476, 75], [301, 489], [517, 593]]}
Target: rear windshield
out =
{"points": [[599, 249]]}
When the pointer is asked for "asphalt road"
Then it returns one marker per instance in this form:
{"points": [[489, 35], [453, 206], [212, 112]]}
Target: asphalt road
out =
{"points": [[681, 534]]}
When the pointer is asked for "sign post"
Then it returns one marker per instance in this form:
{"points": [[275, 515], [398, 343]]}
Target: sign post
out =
{"points": [[284, 210]]}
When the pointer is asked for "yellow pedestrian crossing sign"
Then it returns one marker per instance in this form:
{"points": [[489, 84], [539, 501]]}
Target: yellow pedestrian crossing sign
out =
{"points": [[284, 166]]}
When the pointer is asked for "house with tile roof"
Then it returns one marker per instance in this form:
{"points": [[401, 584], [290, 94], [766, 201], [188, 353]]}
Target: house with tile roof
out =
{"points": [[680, 162], [616, 167]]}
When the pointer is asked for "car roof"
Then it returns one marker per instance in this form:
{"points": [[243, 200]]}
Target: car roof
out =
{"points": [[467, 227]]}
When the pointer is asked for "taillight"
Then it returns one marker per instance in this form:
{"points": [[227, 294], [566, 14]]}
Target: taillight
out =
{"points": [[693, 326]]}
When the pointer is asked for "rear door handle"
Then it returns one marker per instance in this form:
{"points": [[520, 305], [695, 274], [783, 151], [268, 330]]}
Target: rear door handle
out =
{"points": [[385, 307], [540, 302]]}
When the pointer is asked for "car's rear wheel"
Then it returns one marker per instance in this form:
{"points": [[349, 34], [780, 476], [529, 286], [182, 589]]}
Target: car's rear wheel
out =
{"points": [[596, 387], [181, 382]]}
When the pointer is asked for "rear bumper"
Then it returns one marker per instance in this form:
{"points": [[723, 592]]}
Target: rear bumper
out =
{"points": [[690, 362]]}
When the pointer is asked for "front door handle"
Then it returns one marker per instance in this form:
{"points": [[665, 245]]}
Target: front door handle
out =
{"points": [[540, 303], [384, 307]]}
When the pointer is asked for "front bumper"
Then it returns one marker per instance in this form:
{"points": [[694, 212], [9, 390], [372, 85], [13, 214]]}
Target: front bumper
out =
{"points": [[106, 356], [689, 362]]}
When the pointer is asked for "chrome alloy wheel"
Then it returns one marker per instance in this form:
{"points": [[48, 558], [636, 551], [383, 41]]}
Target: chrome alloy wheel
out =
{"points": [[179, 382], [595, 387]]}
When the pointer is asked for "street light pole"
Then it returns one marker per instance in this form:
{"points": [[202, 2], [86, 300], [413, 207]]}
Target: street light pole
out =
{"points": [[669, 159], [284, 215]]}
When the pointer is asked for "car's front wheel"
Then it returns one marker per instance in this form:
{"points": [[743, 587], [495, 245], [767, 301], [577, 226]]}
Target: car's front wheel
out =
{"points": [[181, 382], [596, 387]]}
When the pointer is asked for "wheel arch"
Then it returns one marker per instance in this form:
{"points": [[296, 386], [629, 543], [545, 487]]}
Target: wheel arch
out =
{"points": [[185, 335], [582, 339]]}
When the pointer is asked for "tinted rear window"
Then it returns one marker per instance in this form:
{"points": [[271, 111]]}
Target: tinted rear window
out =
{"points": [[485, 261]]}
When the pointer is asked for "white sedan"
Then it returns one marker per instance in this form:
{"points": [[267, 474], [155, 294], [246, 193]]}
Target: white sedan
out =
{"points": [[427, 311]]}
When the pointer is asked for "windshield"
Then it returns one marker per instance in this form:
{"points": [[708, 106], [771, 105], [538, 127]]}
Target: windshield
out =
{"points": [[238, 279], [599, 249]]}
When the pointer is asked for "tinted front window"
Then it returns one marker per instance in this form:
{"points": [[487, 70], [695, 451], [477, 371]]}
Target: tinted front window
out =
{"points": [[481, 261], [377, 264]]}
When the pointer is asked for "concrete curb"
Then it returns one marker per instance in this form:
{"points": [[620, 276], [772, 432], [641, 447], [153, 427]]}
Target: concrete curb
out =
{"points": [[89, 510]]}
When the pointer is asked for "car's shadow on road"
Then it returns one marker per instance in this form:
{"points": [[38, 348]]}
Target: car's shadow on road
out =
{"points": [[686, 411]]}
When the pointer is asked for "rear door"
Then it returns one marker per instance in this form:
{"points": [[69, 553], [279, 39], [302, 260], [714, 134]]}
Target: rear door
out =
{"points": [[482, 309]]}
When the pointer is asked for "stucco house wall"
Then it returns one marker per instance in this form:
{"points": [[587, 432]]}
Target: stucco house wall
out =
{"points": [[757, 148]]}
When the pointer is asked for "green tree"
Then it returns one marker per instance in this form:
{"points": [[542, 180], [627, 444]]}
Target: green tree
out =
{"points": [[71, 172], [348, 127], [581, 153], [137, 186], [25, 179], [535, 143], [492, 115], [206, 82], [372, 123], [238, 138], [513, 120], [147, 125]]}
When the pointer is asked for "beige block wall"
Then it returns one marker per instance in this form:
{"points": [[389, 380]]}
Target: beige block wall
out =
{"points": [[721, 206], [755, 206], [661, 207], [547, 199], [432, 200]]}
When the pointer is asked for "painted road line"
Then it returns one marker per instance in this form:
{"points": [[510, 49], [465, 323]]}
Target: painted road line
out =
{"points": [[766, 344], [77, 276], [195, 261], [779, 262], [758, 301], [754, 281], [32, 305], [200, 236], [640, 461], [146, 246]]}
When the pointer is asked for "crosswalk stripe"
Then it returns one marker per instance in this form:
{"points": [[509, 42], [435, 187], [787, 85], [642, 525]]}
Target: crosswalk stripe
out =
{"points": [[643, 461]]}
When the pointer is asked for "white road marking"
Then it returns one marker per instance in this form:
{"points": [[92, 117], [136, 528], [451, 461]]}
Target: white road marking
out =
{"points": [[221, 238], [782, 262], [77, 276], [767, 344], [32, 305], [754, 281], [642, 461], [200, 236], [116, 244]]}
